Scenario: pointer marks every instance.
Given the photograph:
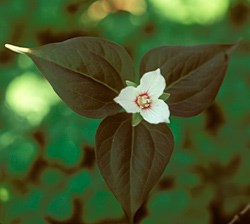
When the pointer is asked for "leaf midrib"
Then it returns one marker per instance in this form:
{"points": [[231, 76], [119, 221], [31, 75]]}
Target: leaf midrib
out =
{"points": [[130, 167], [150, 170], [92, 52], [189, 74], [86, 76], [195, 93]]}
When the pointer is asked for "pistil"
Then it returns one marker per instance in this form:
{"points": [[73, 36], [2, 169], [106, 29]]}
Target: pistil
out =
{"points": [[143, 101]]}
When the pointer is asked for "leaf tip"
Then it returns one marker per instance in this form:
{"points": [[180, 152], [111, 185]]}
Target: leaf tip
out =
{"points": [[21, 50]]}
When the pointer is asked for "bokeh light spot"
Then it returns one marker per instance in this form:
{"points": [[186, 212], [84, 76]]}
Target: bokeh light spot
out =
{"points": [[101, 8], [4, 194], [30, 97], [6, 139], [192, 11]]}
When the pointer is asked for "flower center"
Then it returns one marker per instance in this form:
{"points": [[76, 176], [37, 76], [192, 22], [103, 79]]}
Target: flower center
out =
{"points": [[143, 101]]}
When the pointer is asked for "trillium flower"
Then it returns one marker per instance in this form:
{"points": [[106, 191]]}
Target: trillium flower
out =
{"points": [[144, 99]]}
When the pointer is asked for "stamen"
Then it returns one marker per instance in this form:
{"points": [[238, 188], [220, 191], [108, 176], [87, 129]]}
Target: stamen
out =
{"points": [[143, 101]]}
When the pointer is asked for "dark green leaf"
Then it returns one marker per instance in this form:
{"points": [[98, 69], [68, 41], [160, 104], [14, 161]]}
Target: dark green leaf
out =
{"points": [[132, 159], [129, 83], [164, 96], [136, 119], [193, 74], [86, 72]]}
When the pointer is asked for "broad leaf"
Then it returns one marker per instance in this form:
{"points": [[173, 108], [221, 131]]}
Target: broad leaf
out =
{"points": [[132, 159], [193, 74], [86, 72]]}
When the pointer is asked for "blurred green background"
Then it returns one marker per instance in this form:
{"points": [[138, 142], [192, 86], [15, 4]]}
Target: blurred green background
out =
{"points": [[48, 172]]}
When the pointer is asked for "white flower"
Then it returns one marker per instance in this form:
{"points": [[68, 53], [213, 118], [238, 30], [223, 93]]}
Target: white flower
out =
{"points": [[144, 99]]}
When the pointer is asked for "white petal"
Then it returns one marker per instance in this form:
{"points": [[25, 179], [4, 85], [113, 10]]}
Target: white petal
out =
{"points": [[153, 83], [157, 113], [126, 99]]}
